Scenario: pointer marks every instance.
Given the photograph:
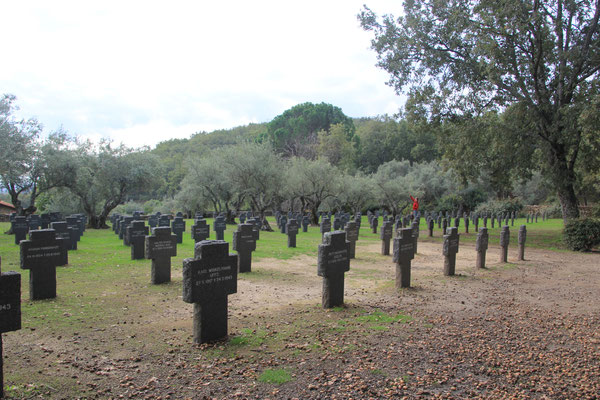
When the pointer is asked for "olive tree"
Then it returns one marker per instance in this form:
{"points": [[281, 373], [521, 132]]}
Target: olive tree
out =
{"points": [[539, 59]]}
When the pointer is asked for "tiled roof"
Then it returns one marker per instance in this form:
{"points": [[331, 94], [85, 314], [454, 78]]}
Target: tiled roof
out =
{"points": [[5, 204]]}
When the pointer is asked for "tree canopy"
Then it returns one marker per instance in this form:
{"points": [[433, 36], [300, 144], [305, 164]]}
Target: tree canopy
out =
{"points": [[295, 132], [457, 60]]}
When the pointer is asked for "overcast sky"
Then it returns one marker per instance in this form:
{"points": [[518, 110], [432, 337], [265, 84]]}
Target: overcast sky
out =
{"points": [[145, 71]]}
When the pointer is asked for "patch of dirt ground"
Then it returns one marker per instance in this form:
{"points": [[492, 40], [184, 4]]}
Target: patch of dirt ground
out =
{"points": [[524, 329]]}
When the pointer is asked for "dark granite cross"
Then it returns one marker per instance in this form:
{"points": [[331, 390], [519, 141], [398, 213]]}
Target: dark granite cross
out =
{"points": [[385, 234], [219, 226], [404, 252], [522, 238], [292, 230], [41, 254], [351, 238], [244, 242], [136, 236], [10, 310], [200, 230], [20, 227], [208, 279], [481, 246], [178, 227], [160, 247], [325, 226], [333, 261], [504, 242], [451, 241]]}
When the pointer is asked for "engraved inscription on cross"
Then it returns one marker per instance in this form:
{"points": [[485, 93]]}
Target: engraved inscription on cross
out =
{"points": [[200, 230], [41, 254], [160, 247], [244, 242], [208, 279]]}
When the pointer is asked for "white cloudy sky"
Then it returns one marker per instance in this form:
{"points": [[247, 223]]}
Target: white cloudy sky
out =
{"points": [[145, 71]]}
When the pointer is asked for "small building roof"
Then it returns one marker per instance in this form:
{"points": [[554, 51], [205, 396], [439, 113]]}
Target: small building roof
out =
{"points": [[5, 204]]}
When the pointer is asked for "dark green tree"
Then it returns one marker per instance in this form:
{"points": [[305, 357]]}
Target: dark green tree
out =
{"points": [[296, 131], [459, 59]]}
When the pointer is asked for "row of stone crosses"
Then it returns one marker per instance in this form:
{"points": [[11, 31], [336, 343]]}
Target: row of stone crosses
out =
{"points": [[211, 275], [51, 236]]}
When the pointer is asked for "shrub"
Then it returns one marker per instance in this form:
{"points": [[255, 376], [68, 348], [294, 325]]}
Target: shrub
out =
{"points": [[500, 206], [582, 234], [554, 210]]}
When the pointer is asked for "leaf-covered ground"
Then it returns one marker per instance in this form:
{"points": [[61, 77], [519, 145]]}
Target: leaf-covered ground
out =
{"points": [[526, 329]]}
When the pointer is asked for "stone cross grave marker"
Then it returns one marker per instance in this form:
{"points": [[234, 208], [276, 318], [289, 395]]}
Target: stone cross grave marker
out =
{"points": [[45, 220], [73, 223], [41, 254], [481, 246], [10, 310], [35, 222], [305, 223], [504, 241], [325, 226], [219, 226], [153, 221], [282, 223], [292, 230], [256, 227], [200, 230], [375, 224], [178, 227], [69, 243], [20, 227], [164, 220], [333, 262], [208, 279], [415, 233], [522, 238], [123, 228], [160, 247], [244, 242], [385, 234], [404, 252], [449, 250], [351, 238], [136, 236]]}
